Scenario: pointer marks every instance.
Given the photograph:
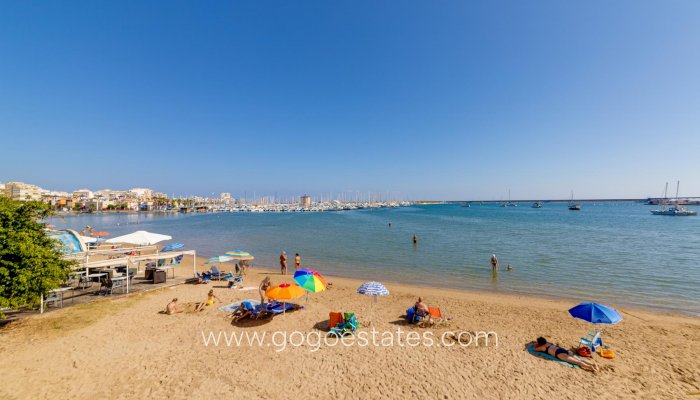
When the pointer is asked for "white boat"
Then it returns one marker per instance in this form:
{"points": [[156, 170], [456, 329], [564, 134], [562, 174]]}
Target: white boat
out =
{"points": [[675, 209], [537, 204], [573, 206]]}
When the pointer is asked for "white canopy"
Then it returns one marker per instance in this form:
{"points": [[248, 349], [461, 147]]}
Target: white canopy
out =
{"points": [[88, 239], [140, 238]]}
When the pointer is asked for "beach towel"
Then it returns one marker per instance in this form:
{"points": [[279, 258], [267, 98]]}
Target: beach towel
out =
{"points": [[531, 350]]}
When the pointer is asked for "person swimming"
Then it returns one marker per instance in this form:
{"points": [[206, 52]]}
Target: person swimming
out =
{"points": [[415, 239]]}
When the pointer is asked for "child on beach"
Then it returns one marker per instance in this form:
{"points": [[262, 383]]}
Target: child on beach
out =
{"points": [[297, 262], [211, 297]]}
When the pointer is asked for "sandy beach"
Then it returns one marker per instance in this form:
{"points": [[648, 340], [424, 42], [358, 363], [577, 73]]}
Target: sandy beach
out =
{"points": [[126, 348]]}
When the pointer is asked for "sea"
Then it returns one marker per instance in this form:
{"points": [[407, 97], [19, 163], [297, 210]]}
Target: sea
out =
{"points": [[609, 252]]}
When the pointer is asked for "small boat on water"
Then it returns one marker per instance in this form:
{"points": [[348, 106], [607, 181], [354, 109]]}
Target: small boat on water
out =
{"points": [[537, 204], [574, 206], [509, 203], [675, 209]]}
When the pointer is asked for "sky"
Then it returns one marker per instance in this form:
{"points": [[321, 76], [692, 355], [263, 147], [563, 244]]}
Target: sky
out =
{"points": [[443, 100]]}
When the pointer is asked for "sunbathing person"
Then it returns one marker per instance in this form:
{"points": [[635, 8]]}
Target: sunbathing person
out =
{"points": [[173, 308], [563, 354], [211, 297], [421, 308], [241, 312]]}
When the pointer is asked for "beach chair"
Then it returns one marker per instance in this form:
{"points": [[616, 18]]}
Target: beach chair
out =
{"points": [[436, 316], [348, 326], [216, 273], [592, 341], [204, 277], [234, 280]]}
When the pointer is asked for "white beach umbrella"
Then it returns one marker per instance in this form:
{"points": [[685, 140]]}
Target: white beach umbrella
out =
{"points": [[141, 238]]}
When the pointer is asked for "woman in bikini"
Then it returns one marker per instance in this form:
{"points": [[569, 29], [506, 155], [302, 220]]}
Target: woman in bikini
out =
{"points": [[563, 354]]}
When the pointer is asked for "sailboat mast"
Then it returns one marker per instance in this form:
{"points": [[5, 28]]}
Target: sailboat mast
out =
{"points": [[678, 183]]}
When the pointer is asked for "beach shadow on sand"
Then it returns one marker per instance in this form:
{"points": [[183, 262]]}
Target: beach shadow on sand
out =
{"points": [[401, 321], [323, 325]]}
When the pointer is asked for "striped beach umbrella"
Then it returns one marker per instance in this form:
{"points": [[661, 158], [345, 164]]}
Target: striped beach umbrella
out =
{"points": [[373, 289], [172, 246], [310, 280], [240, 255], [237, 253]]}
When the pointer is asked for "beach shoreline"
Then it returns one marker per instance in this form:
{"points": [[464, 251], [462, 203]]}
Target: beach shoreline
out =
{"points": [[133, 350]]}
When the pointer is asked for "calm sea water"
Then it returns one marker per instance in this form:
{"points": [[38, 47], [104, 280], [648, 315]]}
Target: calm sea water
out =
{"points": [[608, 252]]}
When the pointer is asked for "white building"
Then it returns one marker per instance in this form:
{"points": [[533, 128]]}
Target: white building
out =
{"points": [[83, 194], [141, 193], [22, 191]]}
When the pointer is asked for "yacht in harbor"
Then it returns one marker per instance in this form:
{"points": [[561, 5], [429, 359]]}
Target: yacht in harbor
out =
{"points": [[537, 204], [673, 208]]}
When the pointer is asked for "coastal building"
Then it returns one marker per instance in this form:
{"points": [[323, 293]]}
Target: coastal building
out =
{"points": [[22, 191], [83, 194], [305, 200], [2, 189], [141, 193]]}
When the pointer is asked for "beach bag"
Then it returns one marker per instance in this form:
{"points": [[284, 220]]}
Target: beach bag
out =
{"points": [[584, 351], [334, 319]]}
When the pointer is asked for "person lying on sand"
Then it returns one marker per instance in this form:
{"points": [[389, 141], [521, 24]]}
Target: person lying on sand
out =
{"points": [[421, 308], [241, 313], [210, 301], [173, 308], [563, 354]]}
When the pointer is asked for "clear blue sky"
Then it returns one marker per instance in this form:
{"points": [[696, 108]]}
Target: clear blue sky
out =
{"points": [[438, 100]]}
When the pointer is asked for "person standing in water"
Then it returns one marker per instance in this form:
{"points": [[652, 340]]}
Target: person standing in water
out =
{"points": [[494, 262], [297, 262], [283, 263], [415, 239]]}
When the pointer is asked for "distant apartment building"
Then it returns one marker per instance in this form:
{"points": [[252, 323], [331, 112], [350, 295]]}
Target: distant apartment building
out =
{"points": [[225, 196], [305, 200], [22, 191], [141, 193], [83, 194], [2, 189], [160, 195]]}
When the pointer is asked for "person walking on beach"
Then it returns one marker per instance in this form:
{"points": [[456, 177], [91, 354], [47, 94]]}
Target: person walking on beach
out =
{"points": [[283, 263], [494, 262], [297, 262], [264, 286]]}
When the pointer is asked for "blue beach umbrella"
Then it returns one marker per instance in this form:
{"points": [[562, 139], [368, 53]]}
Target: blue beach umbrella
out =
{"points": [[172, 246], [596, 313]]}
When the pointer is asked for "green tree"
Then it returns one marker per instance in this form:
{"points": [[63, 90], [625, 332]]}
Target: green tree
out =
{"points": [[31, 263]]}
